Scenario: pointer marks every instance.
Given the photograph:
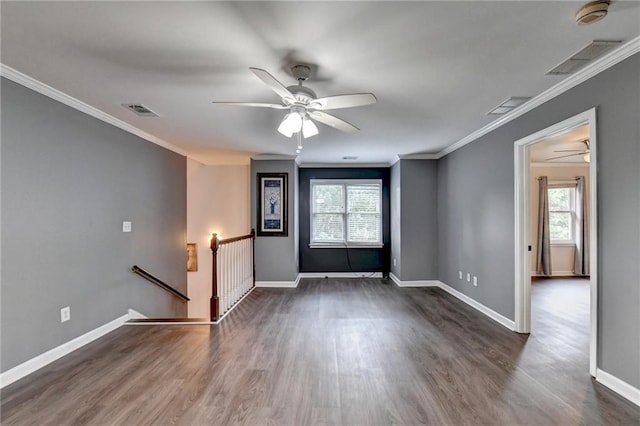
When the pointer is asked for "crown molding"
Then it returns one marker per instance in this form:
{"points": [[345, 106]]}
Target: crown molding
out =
{"points": [[595, 68], [272, 157], [423, 156], [420, 156], [343, 165], [57, 95]]}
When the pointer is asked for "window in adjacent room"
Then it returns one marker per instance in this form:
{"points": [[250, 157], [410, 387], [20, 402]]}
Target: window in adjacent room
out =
{"points": [[562, 214], [346, 212]]}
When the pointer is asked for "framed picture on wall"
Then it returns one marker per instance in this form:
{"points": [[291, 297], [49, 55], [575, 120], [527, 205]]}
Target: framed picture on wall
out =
{"points": [[272, 204]]}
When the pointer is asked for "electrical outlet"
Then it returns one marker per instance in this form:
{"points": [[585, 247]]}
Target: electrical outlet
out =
{"points": [[475, 281], [65, 314], [394, 262], [468, 277], [126, 226], [459, 275]]}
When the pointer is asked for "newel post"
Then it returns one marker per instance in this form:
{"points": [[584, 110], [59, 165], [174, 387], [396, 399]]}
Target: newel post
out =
{"points": [[215, 301], [253, 254]]}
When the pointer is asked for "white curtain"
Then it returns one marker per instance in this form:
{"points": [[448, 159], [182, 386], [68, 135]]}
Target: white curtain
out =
{"points": [[543, 254], [581, 262]]}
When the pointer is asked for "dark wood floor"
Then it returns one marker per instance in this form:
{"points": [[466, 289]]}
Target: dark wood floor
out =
{"points": [[350, 352]]}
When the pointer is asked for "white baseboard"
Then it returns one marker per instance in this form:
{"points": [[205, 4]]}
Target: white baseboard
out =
{"points": [[339, 275], [511, 325], [620, 387], [417, 283], [28, 367], [133, 314], [277, 284], [556, 274], [294, 284]]}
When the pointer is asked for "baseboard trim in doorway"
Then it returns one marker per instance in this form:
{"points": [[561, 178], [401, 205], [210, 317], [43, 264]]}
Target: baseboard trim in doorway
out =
{"points": [[510, 324], [339, 275], [416, 283], [22, 370], [620, 387]]}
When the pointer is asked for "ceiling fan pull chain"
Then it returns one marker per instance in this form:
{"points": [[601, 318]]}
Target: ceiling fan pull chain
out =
{"points": [[299, 137]]}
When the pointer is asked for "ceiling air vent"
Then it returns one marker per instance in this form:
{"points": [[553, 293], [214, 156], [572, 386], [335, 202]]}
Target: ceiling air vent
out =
{"points": [[140, 109], [349, 157], [509, 105], [587, 54]]}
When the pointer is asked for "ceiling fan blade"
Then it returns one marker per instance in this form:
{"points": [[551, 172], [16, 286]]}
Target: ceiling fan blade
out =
{"points": [[274, 84], [344, 101], [569, 150], [252, 104], [332, 121], [564, 156]]}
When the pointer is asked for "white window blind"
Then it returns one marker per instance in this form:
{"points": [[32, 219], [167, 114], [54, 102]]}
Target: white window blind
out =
{"points": [[346, 212]]}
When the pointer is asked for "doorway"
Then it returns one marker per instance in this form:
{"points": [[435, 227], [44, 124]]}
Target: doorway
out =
{"points": [[523, 229]]}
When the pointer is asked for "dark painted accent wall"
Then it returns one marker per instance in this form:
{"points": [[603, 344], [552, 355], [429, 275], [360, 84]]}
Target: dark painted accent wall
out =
{"points": [[335, 260], [476, 210], [68, 182]]}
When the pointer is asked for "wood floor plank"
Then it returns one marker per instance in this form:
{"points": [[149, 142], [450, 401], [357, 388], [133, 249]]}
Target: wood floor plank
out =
{"points": [[334, 352]]}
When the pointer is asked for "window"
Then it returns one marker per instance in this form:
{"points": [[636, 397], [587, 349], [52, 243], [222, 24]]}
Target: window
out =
{"points": [[346, 212], [562, 214]]}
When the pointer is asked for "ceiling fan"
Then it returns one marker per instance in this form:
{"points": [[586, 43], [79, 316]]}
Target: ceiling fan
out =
{"points": [[584, 152], [304, 106]]}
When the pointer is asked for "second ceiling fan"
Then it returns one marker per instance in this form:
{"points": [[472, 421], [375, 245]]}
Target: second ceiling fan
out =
{"points": [[304, 106]]}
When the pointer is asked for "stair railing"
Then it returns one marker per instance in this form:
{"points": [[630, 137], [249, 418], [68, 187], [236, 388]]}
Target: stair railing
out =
{"points": [[147, 276], [233, 274]]}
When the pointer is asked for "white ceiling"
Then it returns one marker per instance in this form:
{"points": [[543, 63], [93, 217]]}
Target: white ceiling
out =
{"points": [[546, 151], [435, 67]]}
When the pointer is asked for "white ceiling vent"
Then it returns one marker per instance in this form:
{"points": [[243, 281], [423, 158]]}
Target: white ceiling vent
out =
{"points": [[509, 105], [350, 157], [140, 109], [587, 54]]}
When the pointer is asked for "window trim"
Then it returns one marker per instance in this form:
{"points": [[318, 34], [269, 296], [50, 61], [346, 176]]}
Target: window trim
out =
{"points": [[344, 243], [571, 211]]}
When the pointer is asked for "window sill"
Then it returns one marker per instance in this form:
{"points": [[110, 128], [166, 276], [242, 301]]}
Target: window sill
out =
{"points": [[339, 245], [563, 243]]}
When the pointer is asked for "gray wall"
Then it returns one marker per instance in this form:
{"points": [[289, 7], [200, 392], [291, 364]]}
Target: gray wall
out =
{"points": [[276, 257], [395, 197], [476, 210], [419, 219], [68, 182]]}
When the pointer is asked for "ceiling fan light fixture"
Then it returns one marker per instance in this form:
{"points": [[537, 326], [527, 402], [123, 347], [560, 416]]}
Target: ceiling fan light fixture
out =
{"points": [[309, 128], [292, 123]]}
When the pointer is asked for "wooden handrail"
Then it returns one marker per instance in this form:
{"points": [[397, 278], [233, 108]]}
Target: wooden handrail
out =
{"points": [[234, 239], [147, 276], [215, 308]]}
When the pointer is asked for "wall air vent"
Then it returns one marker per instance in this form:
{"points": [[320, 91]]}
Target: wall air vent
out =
{"points": [[140, 109], [594, 50], [509, 105], [349, 157]]}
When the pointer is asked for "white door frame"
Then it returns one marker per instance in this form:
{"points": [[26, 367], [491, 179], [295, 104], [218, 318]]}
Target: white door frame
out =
{"points": [[523, 230]]}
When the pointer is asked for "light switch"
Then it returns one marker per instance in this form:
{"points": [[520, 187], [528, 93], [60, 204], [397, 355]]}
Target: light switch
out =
{"points": [[126, 226]]}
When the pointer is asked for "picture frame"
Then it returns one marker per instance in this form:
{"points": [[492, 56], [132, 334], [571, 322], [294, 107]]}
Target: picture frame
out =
{"points": [[272, 205], [192, 257]]}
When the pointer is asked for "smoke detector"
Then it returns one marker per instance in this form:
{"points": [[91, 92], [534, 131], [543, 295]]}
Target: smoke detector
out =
{"points": [[592, 12]]}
